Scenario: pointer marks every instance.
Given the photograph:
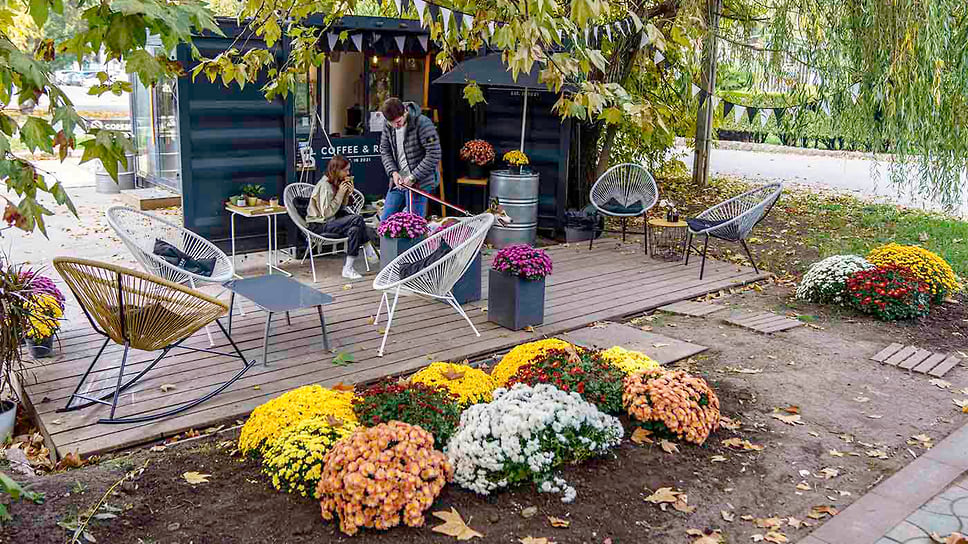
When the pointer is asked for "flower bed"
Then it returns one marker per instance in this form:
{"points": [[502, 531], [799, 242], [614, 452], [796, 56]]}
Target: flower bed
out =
{"points": [[380, 476], [524, 434], [523, 261], [672, 403], [925, 265], [271, 419], [432, 407], [521, 355], [469, 384], [593, 377], [889, 293], [826, 281], [629, 361], [294, 461], [403, 225]]}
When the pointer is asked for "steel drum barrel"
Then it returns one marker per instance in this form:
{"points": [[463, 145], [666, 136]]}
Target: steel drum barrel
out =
{"points": [[518, 195], [105, 185]]}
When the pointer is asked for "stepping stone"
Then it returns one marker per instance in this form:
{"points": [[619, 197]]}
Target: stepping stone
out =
{"points": [[618, 334], [916, 359], [690, 308], [764, 322]]}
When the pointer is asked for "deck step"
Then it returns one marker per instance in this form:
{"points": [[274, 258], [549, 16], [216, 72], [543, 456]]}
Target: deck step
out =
{"points": [[916, 359], [764, 322], [691, 308]]}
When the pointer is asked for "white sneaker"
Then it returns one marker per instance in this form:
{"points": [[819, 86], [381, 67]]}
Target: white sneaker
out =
{"points": [[370, 254], [351, 273]]}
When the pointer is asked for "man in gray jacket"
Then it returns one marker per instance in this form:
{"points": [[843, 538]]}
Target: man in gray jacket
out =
{"points": [[410, 149]]}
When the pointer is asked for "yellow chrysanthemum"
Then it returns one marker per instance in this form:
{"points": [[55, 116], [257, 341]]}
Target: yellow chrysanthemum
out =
{"points": [[522, 355], [629, 361], [44, 316], [270, 420], [470, 384], [295, 459], [926, 265]]}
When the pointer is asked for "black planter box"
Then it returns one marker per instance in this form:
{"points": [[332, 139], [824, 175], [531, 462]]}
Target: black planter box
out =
{"points": [[514, 303], [468, 287], [580, 235], [391, 248]]}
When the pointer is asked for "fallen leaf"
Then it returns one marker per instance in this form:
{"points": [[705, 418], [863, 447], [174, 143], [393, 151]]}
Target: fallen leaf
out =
{"points": [[196, 478], [710, 536], [829, 473], [659, 345], [768, 523], [333, 421], [71, 460], [941, 384], [641, 436], [727, 423], [454, 526], [794, 522], [727, 516], [347, 287], [717, 459], [746, 517], [820, 512], [955, 538], [166, 387], [533, 540], [452, 374], [804, 473], [682, 505], [529, 512], [803, 486], [741, 444], [757, 538], [56, 422], [862, 399], [529, 328], [743, 370], [776, 537], [877, 454], [963, 404], [343, 387], [792, 409], [558, 522], [835, 453], [256, 387], [669, 447], [663, 494], [157, 449], [793, 419], [922, 438], [874, 416]]}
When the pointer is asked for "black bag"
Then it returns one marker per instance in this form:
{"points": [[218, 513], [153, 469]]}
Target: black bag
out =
{"points": [[301, 203], [586, 219], [182, 260], [410, 269]]}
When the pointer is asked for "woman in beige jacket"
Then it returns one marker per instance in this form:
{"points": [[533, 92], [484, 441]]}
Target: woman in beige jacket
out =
{"points": [[327, 215]]}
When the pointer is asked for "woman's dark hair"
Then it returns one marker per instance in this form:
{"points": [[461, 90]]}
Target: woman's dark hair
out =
{"points": [[392, 108], [334, 170]]}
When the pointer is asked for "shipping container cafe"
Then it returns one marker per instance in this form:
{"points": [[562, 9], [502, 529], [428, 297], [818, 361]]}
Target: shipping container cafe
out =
{"points": [[205, 141]]}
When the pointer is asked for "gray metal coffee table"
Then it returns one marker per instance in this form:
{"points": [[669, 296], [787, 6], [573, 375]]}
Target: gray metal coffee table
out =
{"points": [[276, 294]]}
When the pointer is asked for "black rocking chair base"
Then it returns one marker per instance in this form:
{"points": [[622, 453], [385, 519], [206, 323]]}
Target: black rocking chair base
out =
{"points": [[702, 268]]}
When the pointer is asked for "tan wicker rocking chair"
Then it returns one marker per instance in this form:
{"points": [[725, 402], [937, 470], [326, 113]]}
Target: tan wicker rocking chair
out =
{"points": [[144, 312]]}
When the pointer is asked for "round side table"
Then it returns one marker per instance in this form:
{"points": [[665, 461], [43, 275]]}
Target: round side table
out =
{"points": [[667, 239]]}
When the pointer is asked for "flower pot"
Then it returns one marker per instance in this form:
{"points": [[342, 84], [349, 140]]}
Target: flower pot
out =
{"points": [[239, 202], [476, 171], [274, 202], [391, 248], [468, 287], [41, 349], [252, 200], [8, 418], [513, 302]]}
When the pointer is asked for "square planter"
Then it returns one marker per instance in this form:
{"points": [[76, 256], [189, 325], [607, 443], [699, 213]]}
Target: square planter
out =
{"points": [[514, 303], [391, 248], [573, 234], [468, 287]]}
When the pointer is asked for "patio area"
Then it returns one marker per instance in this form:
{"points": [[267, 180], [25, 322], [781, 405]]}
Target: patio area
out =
{"points": [[607, 283]]}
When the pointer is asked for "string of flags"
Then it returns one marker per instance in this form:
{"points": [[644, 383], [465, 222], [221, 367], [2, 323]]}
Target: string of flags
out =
{"points": [[764, 114]]}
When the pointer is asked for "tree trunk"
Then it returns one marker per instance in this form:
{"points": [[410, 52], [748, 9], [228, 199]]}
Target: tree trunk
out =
{"points": [[704, 118]]}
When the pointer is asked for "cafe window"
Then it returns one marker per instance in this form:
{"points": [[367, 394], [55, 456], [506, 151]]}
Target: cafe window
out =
{"points": [[306, 97], [155, 129]]}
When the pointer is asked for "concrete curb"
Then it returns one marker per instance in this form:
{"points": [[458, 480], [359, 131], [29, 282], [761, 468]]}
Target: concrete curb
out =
{"points": [[788, 150]]}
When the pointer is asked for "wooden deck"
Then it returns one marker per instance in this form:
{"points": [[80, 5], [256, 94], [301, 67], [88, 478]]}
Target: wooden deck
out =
{"points": [[587, 286]]}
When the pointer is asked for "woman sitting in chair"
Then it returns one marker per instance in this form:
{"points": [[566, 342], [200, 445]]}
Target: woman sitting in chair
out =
{"points": [[327, 216]]}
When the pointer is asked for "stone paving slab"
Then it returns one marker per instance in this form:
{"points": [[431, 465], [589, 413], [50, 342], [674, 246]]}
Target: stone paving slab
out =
{"points": [[916, 359], [691, 308], [764, 322], [610, 334]]}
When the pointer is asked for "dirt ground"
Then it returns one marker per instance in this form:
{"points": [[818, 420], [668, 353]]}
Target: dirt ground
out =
{"points": [[858, 420]]}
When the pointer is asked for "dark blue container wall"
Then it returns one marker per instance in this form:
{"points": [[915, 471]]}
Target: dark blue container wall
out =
{"points": [[230, 137]]}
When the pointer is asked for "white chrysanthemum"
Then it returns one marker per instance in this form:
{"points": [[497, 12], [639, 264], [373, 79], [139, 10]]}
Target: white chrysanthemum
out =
{"points": [[523, 434], [826, 280]]}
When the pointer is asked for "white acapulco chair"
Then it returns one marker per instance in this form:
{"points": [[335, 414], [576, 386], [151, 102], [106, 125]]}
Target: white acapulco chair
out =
{"points": [[436, 280], [625, 190], [733, 220], [305, 190], [139, 230]]}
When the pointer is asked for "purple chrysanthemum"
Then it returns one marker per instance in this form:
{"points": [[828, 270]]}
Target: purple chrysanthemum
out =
{"points": [[524, 261]]}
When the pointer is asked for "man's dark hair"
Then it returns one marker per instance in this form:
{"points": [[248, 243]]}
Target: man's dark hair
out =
{"points": [[392, 108]]}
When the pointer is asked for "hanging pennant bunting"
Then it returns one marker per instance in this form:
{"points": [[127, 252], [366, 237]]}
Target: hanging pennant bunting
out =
{"points": [[645, 40], [751, 114], [445, 17], [702, 97], [608, 32], [401, 40], [715, 101], [695, 89], [420, 6], [468, 21], [826, 107], [423, 42], [738, 112], [727, 107], [854, 92], [358, 41], [764, 116], [619, 28], [794, 111], [399, 6], [659, 57], [778, 113], [331, 38]]}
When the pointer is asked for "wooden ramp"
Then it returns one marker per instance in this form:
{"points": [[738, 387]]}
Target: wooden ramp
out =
{"points": [[587, 286]]}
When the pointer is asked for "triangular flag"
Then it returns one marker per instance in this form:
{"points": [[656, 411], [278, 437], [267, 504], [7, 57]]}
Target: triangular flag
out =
{"points": [[468, 21], [695, 89], [659, 58], [645, 40], [778, 112], [445, 17], [764, 117], [357, 41], [702, 97], [423, 42], [751, 114], [588, 36], [619, 28], [331, 38], [490, 30], [854, 92], [608, 32], [794, 111], [399, 6], [400, 42], [727, 107], [715, 100], [738, 112], [826, 107], [559, 35], [420, 6]]}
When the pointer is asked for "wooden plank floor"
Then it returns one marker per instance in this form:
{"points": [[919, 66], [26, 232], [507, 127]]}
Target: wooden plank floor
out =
{"points": [[587, 286]]}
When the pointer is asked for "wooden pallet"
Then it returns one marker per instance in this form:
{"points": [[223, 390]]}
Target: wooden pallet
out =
{"points": [[916, 359], [764, 322], [690, 308]]}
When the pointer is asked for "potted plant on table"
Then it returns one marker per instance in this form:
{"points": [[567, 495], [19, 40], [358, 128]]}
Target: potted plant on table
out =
{"points": [[252, 193], [516, 291], [399, 232], [478, 154], [516, 160]]}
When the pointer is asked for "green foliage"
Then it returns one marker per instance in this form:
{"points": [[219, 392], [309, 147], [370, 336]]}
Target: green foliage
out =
{"points": [[431, 407], [16, 492], [253, 189]]}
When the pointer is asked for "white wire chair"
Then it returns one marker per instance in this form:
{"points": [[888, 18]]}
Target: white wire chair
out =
{"points": [[733, 220], [139, 230], [437, 280], [628, 184], [305, 190]]}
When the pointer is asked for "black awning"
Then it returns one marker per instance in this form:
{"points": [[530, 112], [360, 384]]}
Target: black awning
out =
{"points": [[490, 70]]}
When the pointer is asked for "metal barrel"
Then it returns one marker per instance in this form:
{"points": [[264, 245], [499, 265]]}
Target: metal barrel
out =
{"points": [[518, 195], [106, 185]]}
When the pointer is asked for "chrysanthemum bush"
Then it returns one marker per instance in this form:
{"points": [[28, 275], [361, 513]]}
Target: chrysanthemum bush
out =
{"points": [[45, 313], [380, 476], [294, 461], [471, 385], [524, 434], [889, 293], [271, 419], [925, 265], [672, 404], [593, 377], [432, 407], [521, 355], [523, 261], [826, 281], [629, 361], [477, 152], [403, 225]]}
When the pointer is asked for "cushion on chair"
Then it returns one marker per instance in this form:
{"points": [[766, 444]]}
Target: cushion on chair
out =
{"points": [[301, 203], [615, 206], [178, 258], [698, 225], [409, 269]]}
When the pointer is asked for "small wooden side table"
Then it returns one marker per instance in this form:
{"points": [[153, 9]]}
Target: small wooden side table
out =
{"points": [[668, 239], [475, 182], [271, 213]]}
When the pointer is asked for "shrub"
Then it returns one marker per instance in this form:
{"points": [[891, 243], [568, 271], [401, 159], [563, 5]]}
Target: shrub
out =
{"points": [[826, 281], [524, 434], [432, 407], [889, 293], [521, 355], [477, 152], [586, 373], [470, 385], [271, 419], [44, 315], [294, 461], [926, 266], [403, 225], [672, 404], [629, 361], [378, 476], [523, 261]]}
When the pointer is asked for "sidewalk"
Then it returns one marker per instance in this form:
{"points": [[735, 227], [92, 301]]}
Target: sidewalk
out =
{"points": [[930, 495]]}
